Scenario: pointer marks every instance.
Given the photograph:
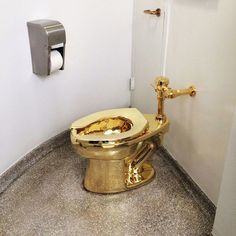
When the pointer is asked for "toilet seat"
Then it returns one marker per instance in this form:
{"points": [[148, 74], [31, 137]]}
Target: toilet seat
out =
{"points": [[131, 119]]}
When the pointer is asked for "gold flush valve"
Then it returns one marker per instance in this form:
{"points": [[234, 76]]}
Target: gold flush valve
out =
{"points": [[164, 91]]}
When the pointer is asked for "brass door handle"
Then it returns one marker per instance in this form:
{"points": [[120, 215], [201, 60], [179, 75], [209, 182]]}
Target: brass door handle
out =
{"points": [[157, 12]]}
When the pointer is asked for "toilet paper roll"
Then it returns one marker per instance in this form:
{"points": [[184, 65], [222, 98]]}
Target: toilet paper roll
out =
{"points": [[56, 61]]}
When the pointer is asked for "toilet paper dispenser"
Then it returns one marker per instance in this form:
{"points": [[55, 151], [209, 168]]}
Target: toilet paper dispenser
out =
{"points": [[47, 43]]}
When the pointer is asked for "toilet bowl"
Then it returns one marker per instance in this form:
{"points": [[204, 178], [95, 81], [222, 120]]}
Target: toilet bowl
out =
{"points": [[118, 145]]}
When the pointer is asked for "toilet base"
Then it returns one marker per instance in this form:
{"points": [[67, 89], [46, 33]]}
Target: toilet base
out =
{"points": [[114, 176], [103, 177]]}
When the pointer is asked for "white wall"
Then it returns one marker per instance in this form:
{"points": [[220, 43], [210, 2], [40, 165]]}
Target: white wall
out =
{"points": [[226, 208], [201, 51], [96, 75]]}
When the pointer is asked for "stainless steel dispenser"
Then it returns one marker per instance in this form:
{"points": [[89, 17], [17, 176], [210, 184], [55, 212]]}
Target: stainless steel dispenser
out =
{"points": [[45, 36]]}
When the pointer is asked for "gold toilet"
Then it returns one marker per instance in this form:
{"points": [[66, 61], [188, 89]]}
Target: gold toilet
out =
{"points": [[118, 143]]}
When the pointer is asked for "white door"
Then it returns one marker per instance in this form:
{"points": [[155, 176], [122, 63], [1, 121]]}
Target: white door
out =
{"points": [[147, 53]]}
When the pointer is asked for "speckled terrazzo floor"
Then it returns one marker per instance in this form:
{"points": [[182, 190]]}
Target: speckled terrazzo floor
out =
{"points": [[48, 199]]}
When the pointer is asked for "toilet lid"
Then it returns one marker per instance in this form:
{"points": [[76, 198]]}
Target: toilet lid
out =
{"points": [[109, 126]]}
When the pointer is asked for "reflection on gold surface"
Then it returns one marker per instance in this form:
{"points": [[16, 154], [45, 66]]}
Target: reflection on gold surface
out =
{"points": [[107, 126], [124, 117]]}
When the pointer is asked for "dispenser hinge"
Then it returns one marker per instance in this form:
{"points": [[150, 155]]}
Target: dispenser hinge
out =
{"points": [[132, 84]]}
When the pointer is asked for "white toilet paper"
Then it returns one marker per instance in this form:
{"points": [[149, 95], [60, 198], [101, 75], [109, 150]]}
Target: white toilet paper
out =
{"points": [[56, 61]]}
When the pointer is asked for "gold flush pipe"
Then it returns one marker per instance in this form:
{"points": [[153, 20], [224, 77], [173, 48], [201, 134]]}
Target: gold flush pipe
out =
{"points": [[164, 91]]}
